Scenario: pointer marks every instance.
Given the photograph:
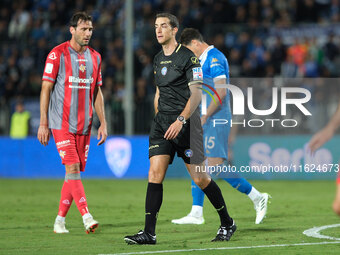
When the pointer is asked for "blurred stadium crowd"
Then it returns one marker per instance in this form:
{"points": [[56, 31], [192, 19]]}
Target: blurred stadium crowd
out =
{"points": [[262, 39]]}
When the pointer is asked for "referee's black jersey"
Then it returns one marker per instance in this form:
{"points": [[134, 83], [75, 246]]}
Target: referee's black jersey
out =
{"points": [[173, 74]]}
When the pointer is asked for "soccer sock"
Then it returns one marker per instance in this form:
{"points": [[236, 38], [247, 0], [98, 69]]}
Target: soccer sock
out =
{"points": [[254, 195], [214, 194], [237, 182], [65, 200], [60, 218], [197, 200], [153, 202], [197, 194], [78, 193], [240, 184], [86, 216], [196, 211]]}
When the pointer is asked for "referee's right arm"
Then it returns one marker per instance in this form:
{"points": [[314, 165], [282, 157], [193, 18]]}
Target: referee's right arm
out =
{"points": [[155, 100]]}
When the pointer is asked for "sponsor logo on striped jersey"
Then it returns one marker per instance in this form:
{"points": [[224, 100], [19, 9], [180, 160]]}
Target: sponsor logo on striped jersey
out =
{"points": [[79, 80]]}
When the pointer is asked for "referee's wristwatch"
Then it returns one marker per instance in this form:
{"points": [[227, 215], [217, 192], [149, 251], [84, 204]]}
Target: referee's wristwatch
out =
{"points": [[181, 119]]}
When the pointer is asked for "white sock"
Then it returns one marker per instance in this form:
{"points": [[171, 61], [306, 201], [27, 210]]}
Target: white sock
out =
{"points": [[59, 218], [86, 216], [196, 211], [254, 195]]}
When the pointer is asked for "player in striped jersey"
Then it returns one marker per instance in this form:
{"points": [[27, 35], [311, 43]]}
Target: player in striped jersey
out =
{"points": [[70, 88]]}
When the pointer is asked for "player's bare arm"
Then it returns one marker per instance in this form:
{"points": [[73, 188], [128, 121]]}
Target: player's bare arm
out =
{"points": [[326, 133], [43, 131], [232, 135], [155, 100], [212, 108], [99, 107], [190, 107]]}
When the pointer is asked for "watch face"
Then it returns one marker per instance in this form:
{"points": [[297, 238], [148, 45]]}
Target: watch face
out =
{"points": [[181, 119]]}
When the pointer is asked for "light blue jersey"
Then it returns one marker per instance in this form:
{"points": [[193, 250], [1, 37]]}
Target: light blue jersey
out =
{"points": [[215, 67]]}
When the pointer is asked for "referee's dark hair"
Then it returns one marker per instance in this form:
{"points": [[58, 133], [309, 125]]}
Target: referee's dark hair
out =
{"points": [[190, 34], [172, 18], [79, 16]]}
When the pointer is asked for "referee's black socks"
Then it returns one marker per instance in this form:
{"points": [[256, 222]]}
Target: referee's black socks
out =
{"points": [[153, 202], [214, 194]]}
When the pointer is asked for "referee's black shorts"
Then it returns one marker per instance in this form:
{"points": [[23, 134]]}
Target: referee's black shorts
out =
{"points": [[188, 144]]}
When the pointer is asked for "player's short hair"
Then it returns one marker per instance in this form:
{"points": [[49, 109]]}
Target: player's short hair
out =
{"points": [[172, 18], [79, 16], [190, 34]]}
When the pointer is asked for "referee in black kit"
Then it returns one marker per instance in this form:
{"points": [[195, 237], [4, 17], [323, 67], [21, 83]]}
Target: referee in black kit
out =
{"points": [[177, 128]]}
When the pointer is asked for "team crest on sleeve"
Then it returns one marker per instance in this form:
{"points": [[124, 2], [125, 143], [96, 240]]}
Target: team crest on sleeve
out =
{"points": [[164, 70], [52, 56], [195, 60], [197, 73], [49, 68]]}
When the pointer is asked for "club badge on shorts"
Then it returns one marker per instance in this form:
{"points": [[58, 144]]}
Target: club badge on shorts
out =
{"points": [[188, 153]]}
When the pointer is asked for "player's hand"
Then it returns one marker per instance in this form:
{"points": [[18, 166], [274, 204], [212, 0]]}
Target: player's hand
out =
{"points": [[173, 130], [43, 135], [102, 134], [320, 138], [203, 119]]}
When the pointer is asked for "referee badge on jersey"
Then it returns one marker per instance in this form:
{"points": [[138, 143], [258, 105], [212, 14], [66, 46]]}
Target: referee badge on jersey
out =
{"points": [[164, 70], [197, 74], [195, 60]]}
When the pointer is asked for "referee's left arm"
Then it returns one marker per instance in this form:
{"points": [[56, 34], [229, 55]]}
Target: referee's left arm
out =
{"points": [[189, 109], [194, 100], [194, 75]]}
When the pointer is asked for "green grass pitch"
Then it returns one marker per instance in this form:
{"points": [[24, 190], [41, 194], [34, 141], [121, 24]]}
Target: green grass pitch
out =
{"points": [[29, 207]]}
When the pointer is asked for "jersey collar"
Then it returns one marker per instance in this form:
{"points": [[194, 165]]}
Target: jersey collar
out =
{"points": [[178, 47], [69, 45], [204, 55], [175, 51]]}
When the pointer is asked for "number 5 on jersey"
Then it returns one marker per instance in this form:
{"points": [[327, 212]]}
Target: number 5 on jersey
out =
{"points": [[209, 143]]}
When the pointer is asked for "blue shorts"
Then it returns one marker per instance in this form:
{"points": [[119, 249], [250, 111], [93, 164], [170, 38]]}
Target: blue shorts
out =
{"points": [[215, 140]]}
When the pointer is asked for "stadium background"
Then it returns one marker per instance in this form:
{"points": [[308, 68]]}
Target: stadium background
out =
{"points": [[268, 43], [265, 42]]}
